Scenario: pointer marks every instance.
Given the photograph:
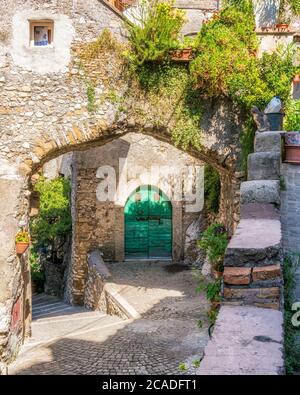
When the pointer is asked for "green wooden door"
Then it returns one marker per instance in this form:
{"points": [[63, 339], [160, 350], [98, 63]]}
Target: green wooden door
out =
{"points": [[148, 224]]}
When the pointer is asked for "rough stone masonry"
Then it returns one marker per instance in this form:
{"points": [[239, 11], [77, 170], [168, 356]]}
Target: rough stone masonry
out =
{"points": [[44, 113]]}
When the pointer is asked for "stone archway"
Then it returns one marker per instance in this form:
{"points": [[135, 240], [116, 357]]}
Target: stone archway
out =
{"points": [[15, 204]]}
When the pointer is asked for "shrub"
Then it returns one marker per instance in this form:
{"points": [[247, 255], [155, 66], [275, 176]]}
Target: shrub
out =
{"points": [[212, 189], [292, 116], [225, 47], [214, 241], [37, 272], [226, 63], [54, 220], [155, 31]]}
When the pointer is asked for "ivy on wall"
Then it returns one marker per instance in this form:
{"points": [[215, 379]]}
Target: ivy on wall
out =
{"points": [[161, 92], [212, 189]]}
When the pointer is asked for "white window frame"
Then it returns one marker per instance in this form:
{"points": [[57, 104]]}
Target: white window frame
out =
{"points": [[36, 23]]}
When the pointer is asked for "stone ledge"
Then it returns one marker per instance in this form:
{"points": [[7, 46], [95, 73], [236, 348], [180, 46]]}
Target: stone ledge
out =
{"points": [[246, 341], [250, 296], [260, 191], [267, 142], [264, 166]]}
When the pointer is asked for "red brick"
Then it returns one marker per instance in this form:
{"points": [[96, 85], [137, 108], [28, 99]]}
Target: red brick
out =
{"points": [[266, 273], [237, 275], [251, 294]]}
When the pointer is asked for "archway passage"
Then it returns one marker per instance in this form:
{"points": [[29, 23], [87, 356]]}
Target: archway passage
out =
{"points": [[148, 224]]}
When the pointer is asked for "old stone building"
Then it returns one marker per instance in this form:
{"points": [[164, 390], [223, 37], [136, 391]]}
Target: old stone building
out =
{"points": [[153, 207], [44, 114]]}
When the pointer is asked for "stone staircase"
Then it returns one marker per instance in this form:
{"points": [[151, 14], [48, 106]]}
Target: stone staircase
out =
{"points": [[248, 334], [253, 274]]}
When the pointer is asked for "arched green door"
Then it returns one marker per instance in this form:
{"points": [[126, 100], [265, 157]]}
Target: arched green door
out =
{"points": [[148, 224]]}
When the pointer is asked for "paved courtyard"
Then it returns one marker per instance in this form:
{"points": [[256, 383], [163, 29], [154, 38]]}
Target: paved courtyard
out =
{"points": [[72, 340]]}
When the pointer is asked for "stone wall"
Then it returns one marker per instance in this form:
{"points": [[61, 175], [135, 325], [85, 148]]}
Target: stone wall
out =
{"points": [[100, 294], [100, 224]]}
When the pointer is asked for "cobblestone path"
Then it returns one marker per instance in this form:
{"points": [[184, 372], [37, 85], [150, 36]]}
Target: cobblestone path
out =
{"points": [[71, 340]]}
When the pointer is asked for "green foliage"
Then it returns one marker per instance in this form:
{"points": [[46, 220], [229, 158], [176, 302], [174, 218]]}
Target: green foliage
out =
{"points": [[91, 96], [292, 116], [214, 241], [242, 5], [37, 273], [22, 237], [200, 324], [225, 45], [54, 218], [196, 363], [282, 183], [212, 189], [247, 142], [284, 7], [211, 289], [156, 31], [182, 367], [212, 315], [226, 63], [168, 86], [291, 345], [105, 42]]}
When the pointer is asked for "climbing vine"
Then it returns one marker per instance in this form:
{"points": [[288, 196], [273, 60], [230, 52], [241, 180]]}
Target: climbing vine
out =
{"points": [[212, 189], [160, 92]]}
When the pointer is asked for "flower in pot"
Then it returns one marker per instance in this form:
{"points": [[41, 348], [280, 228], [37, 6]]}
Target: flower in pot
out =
{"points": [[184, 51], [292, 136], [22, 242]]}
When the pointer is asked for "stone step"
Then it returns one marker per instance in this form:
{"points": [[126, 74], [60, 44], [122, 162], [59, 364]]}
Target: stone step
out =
{"points": [[264, 166], [260, 191], [267, 142], [245, 341], [257, 239]]}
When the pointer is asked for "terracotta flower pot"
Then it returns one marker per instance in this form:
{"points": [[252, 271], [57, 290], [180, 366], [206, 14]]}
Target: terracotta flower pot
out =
{"points": [[182, 55], [282, 26], [296, 79], [21, 248], [292, 147]]}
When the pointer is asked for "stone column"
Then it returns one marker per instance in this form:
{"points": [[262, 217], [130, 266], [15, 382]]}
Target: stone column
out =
{"points": [[11, 282], [119, 234], [177, 231]]}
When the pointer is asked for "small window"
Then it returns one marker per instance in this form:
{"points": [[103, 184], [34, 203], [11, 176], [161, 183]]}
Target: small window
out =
{"points": [[41, 33]]}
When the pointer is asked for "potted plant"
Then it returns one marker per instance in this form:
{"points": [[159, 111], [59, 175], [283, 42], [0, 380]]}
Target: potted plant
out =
{"points": [[287, 8], [292, 136], [22, 242], [184, 52]]}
